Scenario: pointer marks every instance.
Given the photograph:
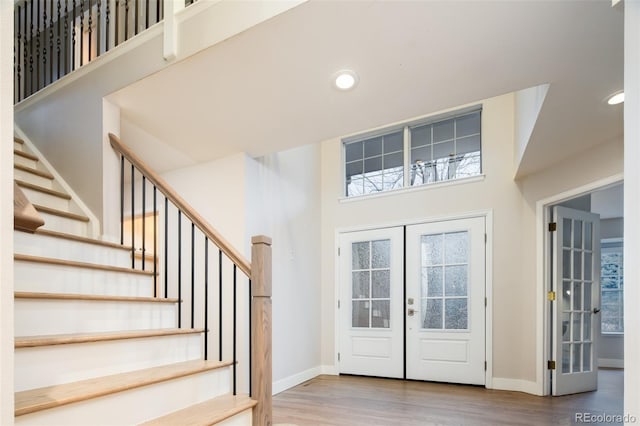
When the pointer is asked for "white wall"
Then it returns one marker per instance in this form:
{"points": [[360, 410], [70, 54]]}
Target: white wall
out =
{"points": [[285, 193], [528, 105], [632, 205], [6, 213], [514, 239]]}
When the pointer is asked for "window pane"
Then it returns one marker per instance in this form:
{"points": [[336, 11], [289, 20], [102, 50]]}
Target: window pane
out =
{"points": [[566, 327], [587, 326], [566, 295], [586, 357], [373, 182], [566, 358], [394, 142], [380, 314], [360, 314], [577, 234], [455, 247], [353, 151], [468, 144], [455, 279], [422, 154], [393, 178], [588, 226], [443, 150], [588, 266], [372, 164], [360, 285], [455, 317], [373, 147], [577, 265], [468, 124], [355, 186], [432, 249], [577, 296], [468, 165], [577, 326], [577, 358], [360, 255], [432, 313], [380, 253], [566, 232], [432, 281], [443, 131], [587, 297], [566, 263], [420, 136], [354, 168], [380, 284], [393, 160]]}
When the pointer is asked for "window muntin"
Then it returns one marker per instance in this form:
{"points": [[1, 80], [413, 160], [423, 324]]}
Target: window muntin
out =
{"points": [[612, 287], [439, 150]]}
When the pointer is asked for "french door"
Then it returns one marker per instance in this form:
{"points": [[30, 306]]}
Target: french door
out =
{"points": [[576, 278], [421, 317]]}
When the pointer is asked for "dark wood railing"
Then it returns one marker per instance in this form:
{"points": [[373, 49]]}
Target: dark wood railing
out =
{"points": [[182, 269], [55, 37]]}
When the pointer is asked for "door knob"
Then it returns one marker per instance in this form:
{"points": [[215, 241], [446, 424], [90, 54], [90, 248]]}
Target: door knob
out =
{"points": [[411, 312], [596, 310]]}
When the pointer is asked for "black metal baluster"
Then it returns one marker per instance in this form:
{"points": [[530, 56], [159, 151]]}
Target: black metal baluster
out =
{"points": [[58, 40], [89, 31], [179, 268], [146, 14], [26, 53], [220, 304], [206, 298], [121, 199], [17, 50], [73, 38], [166, 247], [116, 33], [50, 41], [193, 275], [37, 33], [157, 11], [155, 243], [144, 219], [81, 32], [126, 20], [107, 27], [44, 44], [98, 27], [66, 37], [135, 16], [235, 268], [133, 226]]}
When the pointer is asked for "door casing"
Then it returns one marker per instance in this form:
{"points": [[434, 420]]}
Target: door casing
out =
{"points": [[488, 215]]}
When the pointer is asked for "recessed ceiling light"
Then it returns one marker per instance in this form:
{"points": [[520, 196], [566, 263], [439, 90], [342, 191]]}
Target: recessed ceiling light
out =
{"points": [[345, 79], [616, 98]]}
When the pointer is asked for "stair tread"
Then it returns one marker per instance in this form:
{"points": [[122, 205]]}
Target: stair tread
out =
{"points": [[39, 188], [206, 413], [25, 155], [62, 213], [64, 339], [33, 400], [56, 234], [31, 170], [76, 264], [17, 139], [94, 297]]}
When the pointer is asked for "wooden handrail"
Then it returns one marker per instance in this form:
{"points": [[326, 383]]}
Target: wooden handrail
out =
{"points": [[25, 216], [180, 203]]}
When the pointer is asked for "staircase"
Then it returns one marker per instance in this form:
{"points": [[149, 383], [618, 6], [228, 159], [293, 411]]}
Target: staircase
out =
{"points": [[93, 345]]}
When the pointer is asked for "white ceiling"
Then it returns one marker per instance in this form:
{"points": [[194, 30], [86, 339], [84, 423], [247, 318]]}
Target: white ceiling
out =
{"points": [[269, 89]]}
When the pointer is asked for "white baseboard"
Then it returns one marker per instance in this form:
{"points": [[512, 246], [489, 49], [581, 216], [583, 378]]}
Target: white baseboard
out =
{"points": [[610, 363], [296, 379], [517, 385], [329, 370]]}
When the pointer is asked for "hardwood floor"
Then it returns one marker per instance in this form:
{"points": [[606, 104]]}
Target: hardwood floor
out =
{"points": [[352, 400]]}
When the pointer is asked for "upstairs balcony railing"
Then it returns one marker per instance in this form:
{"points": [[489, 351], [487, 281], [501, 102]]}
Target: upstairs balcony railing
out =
{"points": [[55, 37]]}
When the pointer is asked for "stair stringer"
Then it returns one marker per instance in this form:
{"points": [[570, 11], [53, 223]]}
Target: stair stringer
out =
{"points": [[94, 223]]}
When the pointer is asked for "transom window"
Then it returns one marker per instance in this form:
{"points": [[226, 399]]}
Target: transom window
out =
{"points": [[414, 154]]}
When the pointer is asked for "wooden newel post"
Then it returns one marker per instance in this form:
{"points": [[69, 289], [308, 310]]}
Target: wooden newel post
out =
{"points": [[261, 380]]}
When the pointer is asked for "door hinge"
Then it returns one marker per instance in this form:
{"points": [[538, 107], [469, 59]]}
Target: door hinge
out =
{"points": [[338, 251], [553, 226], [485, 366], [338, 303], [551, 296], [485, 302], [551, 365], [485, 238], [338, 356]]}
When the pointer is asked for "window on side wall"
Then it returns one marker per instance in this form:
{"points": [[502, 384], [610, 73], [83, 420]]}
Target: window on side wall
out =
{"points": [[414, 154], [612, 286]]}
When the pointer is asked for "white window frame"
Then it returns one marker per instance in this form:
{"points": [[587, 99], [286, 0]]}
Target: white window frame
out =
{"points": [[406, 127]]}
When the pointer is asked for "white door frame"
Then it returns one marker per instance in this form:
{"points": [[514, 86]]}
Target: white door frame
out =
{"points": [[488, 215], [543, 272]]}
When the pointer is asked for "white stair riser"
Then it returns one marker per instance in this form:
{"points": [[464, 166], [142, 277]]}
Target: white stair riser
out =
{"points": [[52, 365], [18, 159], [60, 248], [136, 405], [244, 418], [31, 178], [17, 146], [34, 317], [44, 199], [65, 225], [45, 278]]}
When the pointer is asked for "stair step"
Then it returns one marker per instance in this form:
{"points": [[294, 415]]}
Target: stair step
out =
{"points": [[75, 264], [33, 171], [18, 140], [206, 413], [93, 297], [39, 188], [61, 213], [25, 155], [66, 339], [35, 400], [81, 239]]}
